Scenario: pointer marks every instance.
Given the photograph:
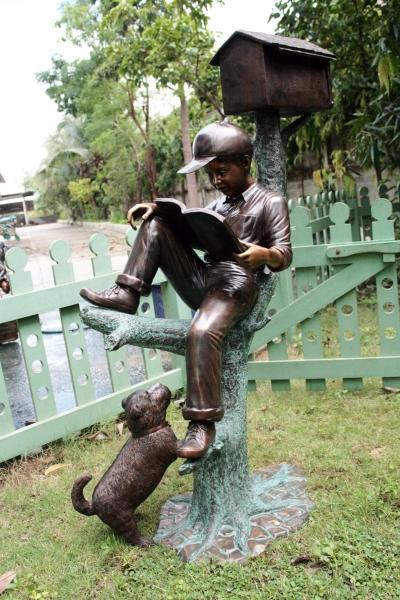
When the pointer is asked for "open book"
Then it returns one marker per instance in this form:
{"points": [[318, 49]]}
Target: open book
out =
{"points": [[202, 228]]}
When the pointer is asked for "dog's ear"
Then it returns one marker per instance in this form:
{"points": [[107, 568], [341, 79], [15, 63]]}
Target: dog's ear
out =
{"points": [[128, 400], [160, 395], [136, 403]]}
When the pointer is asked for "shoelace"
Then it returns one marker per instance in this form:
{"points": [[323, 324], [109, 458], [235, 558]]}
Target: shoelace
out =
{"points": [[193, 429], [113, 290]]}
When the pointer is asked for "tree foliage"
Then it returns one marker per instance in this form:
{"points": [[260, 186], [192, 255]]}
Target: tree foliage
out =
{"points": [[365, 120], [134, 47]]}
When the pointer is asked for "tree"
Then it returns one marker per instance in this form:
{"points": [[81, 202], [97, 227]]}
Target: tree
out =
{"points": [[179, 48], [142, 40], [365, 120], [133, 46], [67, 151]]}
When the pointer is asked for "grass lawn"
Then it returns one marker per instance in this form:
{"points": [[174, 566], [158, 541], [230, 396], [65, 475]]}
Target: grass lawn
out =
{"points": [[348, 444]]}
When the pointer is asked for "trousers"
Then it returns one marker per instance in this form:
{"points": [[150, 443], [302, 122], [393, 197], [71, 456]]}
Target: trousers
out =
{"points": [[221, 293]]}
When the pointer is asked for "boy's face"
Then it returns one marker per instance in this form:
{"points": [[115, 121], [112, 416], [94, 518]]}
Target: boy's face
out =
{"points": [[230, 177]]}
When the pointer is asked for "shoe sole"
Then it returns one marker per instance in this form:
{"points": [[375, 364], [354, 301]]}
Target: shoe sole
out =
{"points": [[190, 454]]}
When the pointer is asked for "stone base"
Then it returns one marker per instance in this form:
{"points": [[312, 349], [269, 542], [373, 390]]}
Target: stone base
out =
{"points": [[280, 506]]}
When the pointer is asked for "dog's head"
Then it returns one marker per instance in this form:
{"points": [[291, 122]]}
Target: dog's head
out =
{"points": [[146, 409]]}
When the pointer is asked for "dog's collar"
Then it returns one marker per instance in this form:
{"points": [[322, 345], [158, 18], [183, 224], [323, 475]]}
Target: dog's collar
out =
{"points": [[152, 430]]}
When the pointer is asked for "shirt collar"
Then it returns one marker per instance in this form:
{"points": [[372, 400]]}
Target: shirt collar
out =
{"points": [[245, 195]]}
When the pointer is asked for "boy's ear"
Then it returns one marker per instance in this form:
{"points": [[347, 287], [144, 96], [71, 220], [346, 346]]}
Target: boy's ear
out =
{"points": [[246, 161]]}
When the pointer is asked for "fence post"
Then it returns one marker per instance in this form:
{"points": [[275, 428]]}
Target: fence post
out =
{"points": [[31, 338], [306, 280], [346, 305], [151, 357], [277, 349], [387, 288], [72, 327], [117, 360]]}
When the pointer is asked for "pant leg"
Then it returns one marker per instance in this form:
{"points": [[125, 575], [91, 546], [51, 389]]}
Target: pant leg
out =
{"points": [[231, 292], [157, 245]]}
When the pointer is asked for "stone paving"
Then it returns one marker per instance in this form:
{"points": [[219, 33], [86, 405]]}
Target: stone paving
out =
{"points": [[281, 487]]}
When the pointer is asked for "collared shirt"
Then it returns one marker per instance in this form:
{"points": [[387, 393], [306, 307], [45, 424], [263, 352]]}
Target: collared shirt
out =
{"points": [[258, 217]]}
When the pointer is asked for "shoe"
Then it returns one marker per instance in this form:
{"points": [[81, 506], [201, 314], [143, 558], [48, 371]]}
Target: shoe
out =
{"points": [[199, 436], [117, 297]]}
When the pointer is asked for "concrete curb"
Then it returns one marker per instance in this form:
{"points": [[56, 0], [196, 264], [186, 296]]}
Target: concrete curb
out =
{"points": [[99, 226]]}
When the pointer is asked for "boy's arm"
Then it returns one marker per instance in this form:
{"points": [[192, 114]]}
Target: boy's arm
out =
{"points": [[277, 230], [276, 251]]}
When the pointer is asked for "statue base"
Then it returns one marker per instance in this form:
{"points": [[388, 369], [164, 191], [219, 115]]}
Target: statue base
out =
{"points": [[280, 506]]}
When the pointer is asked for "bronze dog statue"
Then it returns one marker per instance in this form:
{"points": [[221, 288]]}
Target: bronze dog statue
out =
{"points": [[138, 468]]}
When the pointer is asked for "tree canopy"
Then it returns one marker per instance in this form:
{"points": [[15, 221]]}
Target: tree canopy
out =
{"points": [[134, 48], [364, 124]]}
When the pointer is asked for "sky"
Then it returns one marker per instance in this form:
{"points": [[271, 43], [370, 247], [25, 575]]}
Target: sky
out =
{"points": [[28, 40]]}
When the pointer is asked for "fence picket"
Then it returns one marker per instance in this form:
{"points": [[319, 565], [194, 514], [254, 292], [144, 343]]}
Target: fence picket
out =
{"points": [[72, 327], [346, 305], [151, 358], [277, 348], [117, 360], [306, 280], [387, 288], [327, 269], [30, 335]]}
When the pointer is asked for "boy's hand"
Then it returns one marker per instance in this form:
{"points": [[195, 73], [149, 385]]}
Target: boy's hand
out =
{"points": [[147, 208], [256, 256]]}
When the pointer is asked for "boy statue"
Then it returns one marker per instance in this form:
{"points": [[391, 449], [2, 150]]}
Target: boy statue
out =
{"points": [[221, 292]]}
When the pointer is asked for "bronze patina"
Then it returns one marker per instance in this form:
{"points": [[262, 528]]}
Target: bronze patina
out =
{"points": [[260, 71], [138, 468]]}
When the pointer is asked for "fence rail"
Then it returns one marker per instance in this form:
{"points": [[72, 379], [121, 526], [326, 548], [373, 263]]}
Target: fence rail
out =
{"points": [[338, 246]]}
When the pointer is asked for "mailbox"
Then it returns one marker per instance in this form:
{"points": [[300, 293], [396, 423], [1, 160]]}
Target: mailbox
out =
{"points": [[261, 71]]}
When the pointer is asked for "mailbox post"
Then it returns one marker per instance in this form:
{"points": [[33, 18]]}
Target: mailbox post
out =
{"points": [[272, 76]]}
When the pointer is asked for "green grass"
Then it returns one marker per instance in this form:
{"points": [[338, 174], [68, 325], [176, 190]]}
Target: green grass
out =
{"points": [[346, 442]]}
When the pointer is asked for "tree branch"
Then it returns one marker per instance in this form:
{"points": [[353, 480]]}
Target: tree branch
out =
{"points": [[293, 127], [121, 329]]}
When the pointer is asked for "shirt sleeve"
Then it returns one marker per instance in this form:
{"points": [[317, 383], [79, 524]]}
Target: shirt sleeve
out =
{"points": [[277, 232]]}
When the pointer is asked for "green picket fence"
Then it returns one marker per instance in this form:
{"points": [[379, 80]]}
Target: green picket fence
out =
{"points": [[327, 268], [328, 275], [26, 305], [360, 216]]}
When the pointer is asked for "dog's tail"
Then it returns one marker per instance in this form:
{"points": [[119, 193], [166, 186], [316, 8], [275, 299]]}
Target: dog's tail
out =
{"points": [[78, 499]]}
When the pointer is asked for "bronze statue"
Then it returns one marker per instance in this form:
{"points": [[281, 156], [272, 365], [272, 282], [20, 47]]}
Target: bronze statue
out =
{"points": [[138, 468], [221, 292]]}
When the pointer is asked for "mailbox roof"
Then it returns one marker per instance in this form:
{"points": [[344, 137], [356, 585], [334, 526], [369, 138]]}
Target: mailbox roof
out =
{"points": [[289, 44]]}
